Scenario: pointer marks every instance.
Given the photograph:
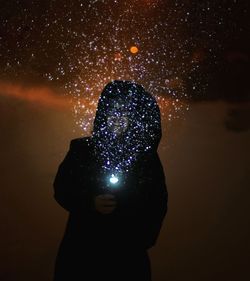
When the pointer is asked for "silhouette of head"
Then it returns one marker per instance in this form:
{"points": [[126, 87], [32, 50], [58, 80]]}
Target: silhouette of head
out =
{"points": [[127, 124]]}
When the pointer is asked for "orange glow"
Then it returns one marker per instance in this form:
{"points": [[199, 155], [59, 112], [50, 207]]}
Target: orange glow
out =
{"points": [[134, 50], [118, 56], [174, 83], [39, 95]]}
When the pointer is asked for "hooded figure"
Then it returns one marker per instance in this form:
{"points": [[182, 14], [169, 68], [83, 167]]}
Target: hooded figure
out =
{"points": [[119, 162]]}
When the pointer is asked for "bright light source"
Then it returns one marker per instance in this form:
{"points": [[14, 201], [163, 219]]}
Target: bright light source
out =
{"points": [[113, 179], [134, 49]]}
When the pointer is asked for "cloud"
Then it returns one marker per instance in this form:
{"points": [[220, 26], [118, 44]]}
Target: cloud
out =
{"points": [[38, 95]]}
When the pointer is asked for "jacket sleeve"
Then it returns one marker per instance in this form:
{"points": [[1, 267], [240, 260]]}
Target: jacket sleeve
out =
{"points": [[67, 191], [144, 211], [156, 204]]}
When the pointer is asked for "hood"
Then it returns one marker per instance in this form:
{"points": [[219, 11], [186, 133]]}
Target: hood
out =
{"points": [[144, 125]]}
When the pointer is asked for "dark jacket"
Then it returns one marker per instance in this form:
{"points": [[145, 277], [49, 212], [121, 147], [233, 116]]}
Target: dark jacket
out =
{"points": [[92, 241], [133, 226]]}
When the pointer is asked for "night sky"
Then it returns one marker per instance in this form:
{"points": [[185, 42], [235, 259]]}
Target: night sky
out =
{"points": [[194, 56], [175, 49]]}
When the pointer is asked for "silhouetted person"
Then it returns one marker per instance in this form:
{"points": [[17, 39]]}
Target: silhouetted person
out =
{"points": [[113, 186]]}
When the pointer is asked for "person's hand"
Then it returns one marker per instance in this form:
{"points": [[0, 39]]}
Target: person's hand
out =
{"points": [[105, 203]]}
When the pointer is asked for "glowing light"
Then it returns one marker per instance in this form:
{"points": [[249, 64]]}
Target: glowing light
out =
{"points": [[113, 179], [118, 57], [38, 95], [134, 50]]}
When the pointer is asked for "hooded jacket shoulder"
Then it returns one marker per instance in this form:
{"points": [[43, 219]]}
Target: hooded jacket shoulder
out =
{"points": [[80, 143]]}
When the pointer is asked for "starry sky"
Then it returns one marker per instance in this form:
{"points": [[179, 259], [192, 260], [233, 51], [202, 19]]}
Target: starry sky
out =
{"points": [[177, 50], [172, 47], [61, 54]]}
